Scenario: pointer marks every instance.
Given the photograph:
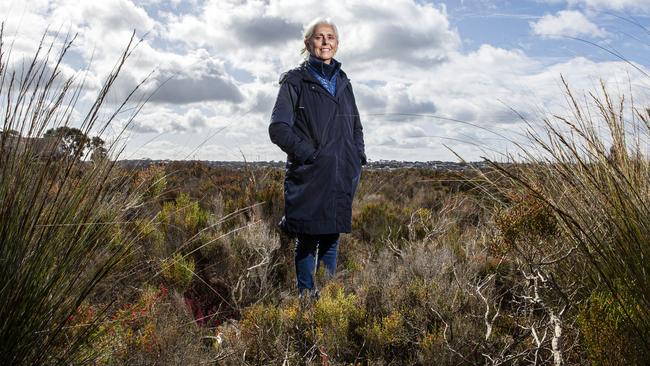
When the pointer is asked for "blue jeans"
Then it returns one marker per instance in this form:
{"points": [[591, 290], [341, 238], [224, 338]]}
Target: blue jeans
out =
{"points": [[305, 258]]}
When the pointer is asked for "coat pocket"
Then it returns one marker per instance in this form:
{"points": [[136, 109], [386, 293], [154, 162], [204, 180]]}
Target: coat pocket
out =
{"points": [[311, 130], [308, 190]]}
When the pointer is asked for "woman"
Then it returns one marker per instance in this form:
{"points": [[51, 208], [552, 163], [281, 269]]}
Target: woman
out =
{"points": [[316, 122]]}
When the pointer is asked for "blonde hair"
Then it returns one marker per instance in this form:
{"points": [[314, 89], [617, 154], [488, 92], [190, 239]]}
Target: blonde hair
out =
{"points": [[311, 28]]}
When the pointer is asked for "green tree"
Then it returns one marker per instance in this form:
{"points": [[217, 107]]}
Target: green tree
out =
{"points": [[73, 140], [98, 149], [76, 143]]}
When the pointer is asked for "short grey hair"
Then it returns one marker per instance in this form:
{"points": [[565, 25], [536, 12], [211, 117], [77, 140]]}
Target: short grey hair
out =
{"points": [[311, 28]]}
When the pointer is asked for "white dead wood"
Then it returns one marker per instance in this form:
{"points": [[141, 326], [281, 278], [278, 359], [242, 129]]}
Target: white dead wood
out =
{"points": [[488, 321]]}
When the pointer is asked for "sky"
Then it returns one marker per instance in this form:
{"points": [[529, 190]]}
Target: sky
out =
{"points": [[433, 80]]}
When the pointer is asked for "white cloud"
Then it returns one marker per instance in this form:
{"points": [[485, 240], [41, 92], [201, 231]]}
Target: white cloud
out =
{"points": [[200, 81], [165, 120], [614, 4], [619, 5], [479, 96], [265, 37], [415, 86], [570, 23]]}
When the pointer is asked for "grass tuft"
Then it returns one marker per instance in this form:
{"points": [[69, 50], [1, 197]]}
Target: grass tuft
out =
{"points": [[59, 212]]}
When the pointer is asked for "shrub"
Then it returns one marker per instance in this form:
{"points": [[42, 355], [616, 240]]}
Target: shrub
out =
{"points": [[154, 329], [384, 334], [426, 293], [272, 194], [183, 213], [178, 271], [590, 172], [608, 331], [153, 180], [527, 226], [233, 270], [290, 332], [180, 222], [419, 225], [377, 222], [336, 317], [264, 333], [150, 237]]}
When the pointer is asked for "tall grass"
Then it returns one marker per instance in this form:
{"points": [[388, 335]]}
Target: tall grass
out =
{"points": [[591, 170], [59, 215]]}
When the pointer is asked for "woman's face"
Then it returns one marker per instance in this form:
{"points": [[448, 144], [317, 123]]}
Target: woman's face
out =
{"points": [[323, 43]]}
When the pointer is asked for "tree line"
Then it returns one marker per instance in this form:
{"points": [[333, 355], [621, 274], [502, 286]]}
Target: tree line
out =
{"points": [[68, 142]]}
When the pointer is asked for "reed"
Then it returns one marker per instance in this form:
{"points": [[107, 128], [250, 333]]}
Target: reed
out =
{"points": [[591, 170], [58, 212]]}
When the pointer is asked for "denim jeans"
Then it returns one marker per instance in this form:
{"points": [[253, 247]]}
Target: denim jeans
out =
{"points": [[305, 258]]}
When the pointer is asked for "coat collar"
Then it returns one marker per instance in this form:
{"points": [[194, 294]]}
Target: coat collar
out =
{"points": [[323, 69], [342, 81]]}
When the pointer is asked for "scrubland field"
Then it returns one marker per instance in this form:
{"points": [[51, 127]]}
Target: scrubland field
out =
{"points": [[441, 268], [539, 261]]}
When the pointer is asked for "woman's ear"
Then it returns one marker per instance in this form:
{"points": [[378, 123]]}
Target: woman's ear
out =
{"points": [[307, 46]]}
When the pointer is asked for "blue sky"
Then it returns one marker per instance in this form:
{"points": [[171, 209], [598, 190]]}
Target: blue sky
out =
{"points": [[507, 24], [432, 79]]}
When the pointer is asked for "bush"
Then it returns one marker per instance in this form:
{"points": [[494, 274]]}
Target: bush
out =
{"points": [[336, 318], [377, 222], [154, 329], [608, 331], [153, 180], [183, 214], [422, 304], [246, 263], [178, 271], [527, 226], [263, 331], [590, 188]]}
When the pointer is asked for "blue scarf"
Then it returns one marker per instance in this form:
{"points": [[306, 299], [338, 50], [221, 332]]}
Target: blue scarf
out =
{"points": [[324, 73]]}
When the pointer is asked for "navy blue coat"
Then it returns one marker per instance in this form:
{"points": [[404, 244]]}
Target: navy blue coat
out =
{"points": [[323, 139]]}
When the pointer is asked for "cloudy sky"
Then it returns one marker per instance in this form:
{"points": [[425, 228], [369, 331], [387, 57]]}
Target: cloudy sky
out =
{"points": [[431, 78]]}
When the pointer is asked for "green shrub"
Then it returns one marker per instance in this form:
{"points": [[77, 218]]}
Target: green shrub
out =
{"points": [[336, 316], [178, 271], [291, 332], [180, 222], [153, 180], [608, 331], [154, 329], [192, 217], [263, 332], [527, 225], [383, 334], [150, 237], [377, 222], [184, 214]]}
